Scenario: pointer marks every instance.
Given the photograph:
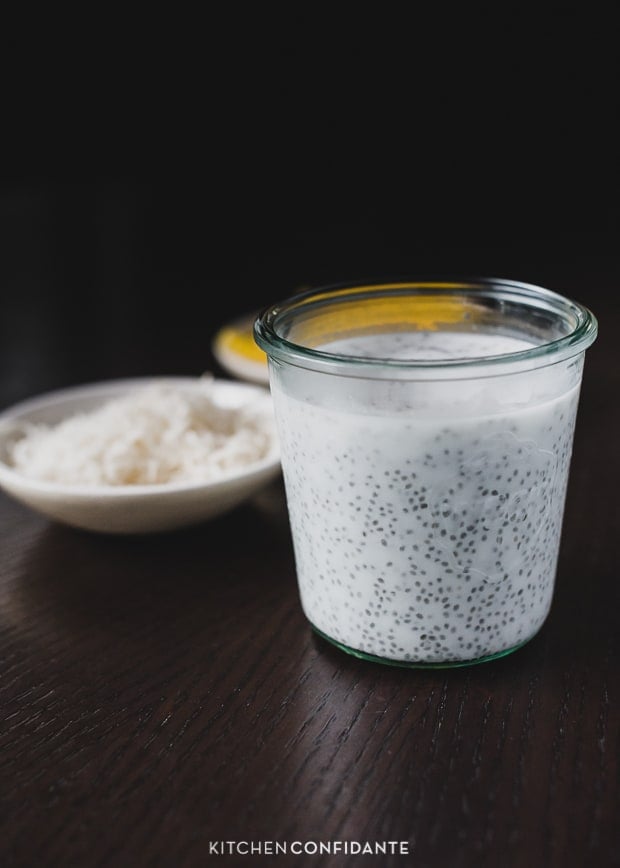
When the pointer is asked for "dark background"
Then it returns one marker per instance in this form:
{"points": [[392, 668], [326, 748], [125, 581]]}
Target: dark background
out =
{"points": [[163, 175]]}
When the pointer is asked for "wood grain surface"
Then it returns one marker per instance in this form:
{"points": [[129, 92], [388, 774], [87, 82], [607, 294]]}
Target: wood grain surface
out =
{"points": [[158, 694]]}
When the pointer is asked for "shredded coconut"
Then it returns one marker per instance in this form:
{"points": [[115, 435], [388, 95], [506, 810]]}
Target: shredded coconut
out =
{"points": [[156, 434]]}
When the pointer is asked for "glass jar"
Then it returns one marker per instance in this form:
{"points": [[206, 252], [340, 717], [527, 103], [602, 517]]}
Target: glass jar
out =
{"points": [[426, 431]]}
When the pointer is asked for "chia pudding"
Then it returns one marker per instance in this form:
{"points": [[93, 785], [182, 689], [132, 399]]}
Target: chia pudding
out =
{"points": [[426, 515]]}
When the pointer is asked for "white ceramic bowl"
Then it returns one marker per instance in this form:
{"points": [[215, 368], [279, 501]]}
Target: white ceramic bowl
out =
{"points": [[132, 508]]}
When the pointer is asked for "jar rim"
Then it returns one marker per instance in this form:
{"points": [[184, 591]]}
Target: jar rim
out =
{"points": [[583, 331]]}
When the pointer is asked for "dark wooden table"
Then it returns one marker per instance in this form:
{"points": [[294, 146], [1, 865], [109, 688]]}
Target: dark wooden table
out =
{"points": [[164, 693]]}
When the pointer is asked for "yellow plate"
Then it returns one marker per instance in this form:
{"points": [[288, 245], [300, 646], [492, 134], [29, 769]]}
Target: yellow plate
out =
{"points": [[235, 350]]}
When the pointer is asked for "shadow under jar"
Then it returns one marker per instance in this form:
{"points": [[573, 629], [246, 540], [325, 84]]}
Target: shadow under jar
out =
{"points": [[426, 431]]}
